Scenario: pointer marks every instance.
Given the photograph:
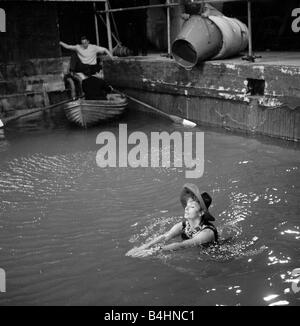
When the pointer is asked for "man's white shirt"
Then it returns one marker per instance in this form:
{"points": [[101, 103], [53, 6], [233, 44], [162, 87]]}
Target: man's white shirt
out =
{"points": [[89, 56]]}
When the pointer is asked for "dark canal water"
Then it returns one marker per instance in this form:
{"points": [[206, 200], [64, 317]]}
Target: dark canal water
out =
{"points": [[66, 224]]}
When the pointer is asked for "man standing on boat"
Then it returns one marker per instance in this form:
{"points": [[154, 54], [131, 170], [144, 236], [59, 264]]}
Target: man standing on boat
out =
{"points": [[84, 59]]}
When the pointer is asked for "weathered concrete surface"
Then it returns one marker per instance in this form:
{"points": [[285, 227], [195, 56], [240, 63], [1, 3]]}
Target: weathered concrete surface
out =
{"points": [[30, 83], [33, 74], [217, 92], [31, 67], [10, 104]]}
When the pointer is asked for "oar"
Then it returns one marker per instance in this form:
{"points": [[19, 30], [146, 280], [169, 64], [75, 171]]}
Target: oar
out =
{"points": [[172, 117], [4, 122]]}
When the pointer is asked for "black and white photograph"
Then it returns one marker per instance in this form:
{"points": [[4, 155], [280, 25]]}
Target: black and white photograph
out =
{"points": [[149, 155]]}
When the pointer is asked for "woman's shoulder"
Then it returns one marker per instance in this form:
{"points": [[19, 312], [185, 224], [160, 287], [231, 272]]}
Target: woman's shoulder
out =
{"points": [[210, 226]]}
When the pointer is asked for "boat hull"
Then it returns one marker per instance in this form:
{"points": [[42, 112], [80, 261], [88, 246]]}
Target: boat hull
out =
{"points": [[86, 113]]}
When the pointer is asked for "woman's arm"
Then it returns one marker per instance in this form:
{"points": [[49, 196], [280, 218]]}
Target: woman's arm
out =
{"points": [[174, 232], [67, 46], [204, 236]]}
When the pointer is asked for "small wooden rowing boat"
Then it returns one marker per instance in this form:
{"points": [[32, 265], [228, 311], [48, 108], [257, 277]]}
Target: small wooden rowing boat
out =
{"points": [[86, 113]]}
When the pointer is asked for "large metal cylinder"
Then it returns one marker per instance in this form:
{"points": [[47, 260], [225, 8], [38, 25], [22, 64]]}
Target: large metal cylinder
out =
{"points": [[235, 36], [199, 40], [213, 37]]}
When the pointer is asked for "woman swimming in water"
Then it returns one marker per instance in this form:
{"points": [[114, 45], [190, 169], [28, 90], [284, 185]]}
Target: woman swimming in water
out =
{"points": [[195, 230]]}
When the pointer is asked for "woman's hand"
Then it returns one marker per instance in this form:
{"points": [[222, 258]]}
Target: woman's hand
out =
{"points": [[132, 251], [141, 252], [151, 247], [136, 249]]}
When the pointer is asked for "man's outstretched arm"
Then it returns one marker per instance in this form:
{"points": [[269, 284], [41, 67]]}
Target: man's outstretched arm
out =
{"points": [[102, 50], [67, 46]]}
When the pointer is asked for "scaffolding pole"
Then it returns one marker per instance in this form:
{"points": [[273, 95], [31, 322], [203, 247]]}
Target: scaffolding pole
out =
{"points": [[138, 8], [96, 24], [169, 27], [249, 9], [108, 27], [167, 5], [250, 57]]}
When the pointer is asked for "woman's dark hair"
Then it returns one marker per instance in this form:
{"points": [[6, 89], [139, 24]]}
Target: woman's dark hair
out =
{"points": [[191, 195], [207, 199]]}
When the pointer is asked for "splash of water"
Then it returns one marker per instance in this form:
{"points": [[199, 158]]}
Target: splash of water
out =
{"points": [[232, 244]]}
